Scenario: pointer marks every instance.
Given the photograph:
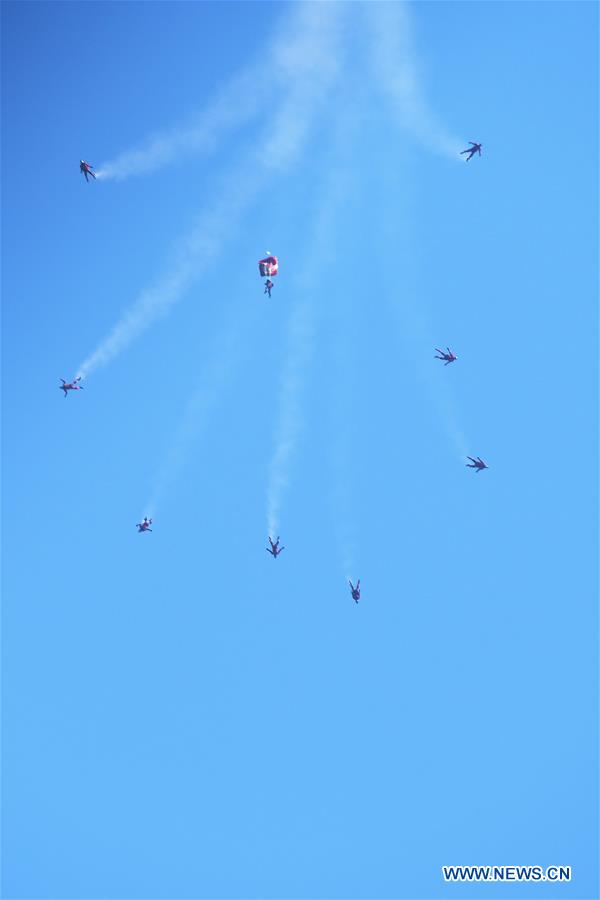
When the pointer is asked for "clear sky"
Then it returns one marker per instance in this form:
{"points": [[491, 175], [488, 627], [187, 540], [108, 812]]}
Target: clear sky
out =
{"points": [[183, 716]]}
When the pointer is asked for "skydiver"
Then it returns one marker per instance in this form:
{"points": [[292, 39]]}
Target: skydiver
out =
{"points": [[449, 356], [144, 526], [86, 169], [274, 549], [70, 385], [472, 150], [268, 286], [478, 464], [355, 591]]}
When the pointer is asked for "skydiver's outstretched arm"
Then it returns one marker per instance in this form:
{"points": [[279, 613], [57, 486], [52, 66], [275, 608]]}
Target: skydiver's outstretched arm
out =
{"points": [[269, 551]]}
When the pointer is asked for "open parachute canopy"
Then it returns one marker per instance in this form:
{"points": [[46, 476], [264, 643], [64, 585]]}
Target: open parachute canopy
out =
{"points": [[268, 267]]}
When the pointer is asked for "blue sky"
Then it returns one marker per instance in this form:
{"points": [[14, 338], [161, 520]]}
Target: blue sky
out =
{"points": [[183, 716]]}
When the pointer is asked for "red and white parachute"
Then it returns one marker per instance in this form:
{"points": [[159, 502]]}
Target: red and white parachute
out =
{"points": [[268, 267]]}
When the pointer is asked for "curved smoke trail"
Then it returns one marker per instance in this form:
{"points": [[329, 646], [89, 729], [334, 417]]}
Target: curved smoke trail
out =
{"points": [[302, 40], [396, 65]]}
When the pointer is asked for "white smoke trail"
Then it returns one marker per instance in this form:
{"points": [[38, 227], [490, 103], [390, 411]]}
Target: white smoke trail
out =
{"points": [[312, 68], [227, 357], [413, 328], [302, 39], [344, 523], [197, 251], [300, 339], [414, 331], [397, 67]]}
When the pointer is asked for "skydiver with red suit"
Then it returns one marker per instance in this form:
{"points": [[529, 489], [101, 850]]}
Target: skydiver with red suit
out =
{"points": [[274, 549], [449, 356], [86, 169], [70, 385]]}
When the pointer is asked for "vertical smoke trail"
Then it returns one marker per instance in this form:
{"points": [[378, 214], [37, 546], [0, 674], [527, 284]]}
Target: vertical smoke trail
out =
{"points": [[300, 343], [301, 332], [318, 63], [341, 495]]}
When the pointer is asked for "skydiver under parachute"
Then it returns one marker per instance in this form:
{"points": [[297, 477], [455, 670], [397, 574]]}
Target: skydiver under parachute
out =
{"points": [[268, 268]]}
